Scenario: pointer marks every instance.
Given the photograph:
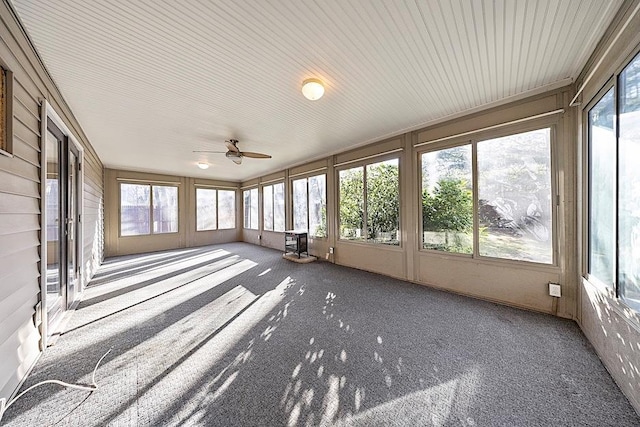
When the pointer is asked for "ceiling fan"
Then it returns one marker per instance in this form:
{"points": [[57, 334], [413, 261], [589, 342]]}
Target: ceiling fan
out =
{"points": [[234, 153]]}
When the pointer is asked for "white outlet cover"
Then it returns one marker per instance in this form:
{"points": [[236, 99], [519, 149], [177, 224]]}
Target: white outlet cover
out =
{"points": [[555, 290]]}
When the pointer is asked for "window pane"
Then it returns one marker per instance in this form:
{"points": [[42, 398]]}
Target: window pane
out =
{"points": [[602, 181], [383, 202], [278, 207], [629, 185], [267, 207], [254, 209], [135, 203], [352, 203], [318, 206], [165, 209], [226, 209], [514, 191], [300, 204], [205, 209], [246, 205], [447, 200]]}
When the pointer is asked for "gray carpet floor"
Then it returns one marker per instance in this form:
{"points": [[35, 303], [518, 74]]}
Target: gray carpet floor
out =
{"points": [[235, 335]]}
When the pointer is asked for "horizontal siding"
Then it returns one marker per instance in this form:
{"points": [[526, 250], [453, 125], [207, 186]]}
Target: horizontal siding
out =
{"points": [[16, 242], [16, 261], [16, 223], [19, 350], [13, 184], [20, 190], [20, 168], [20, 202], [30, 136], [93, 214], [25, 151], [22, 294]]}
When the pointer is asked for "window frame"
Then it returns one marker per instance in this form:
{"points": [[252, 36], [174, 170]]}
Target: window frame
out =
{"points": [[150, 184], [305, 176], [6, 111], [246, 226], [363, 162], [272, 184], [612, 292], [484, 135], [217, 189]]}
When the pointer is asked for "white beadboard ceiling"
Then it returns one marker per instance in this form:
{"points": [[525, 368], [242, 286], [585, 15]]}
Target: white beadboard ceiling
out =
{"points": [[150, 81]]}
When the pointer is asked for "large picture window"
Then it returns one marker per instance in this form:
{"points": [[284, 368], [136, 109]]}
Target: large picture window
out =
{"points": [[514, 197], [310, 205], [514, 210], [273, 207], [370, 203], [614, 185], [148, 209], [250, 205], [215, 209]]}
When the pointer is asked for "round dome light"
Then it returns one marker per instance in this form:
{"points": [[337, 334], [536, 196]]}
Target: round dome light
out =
{"points": [[203, 165], [312, 89]]}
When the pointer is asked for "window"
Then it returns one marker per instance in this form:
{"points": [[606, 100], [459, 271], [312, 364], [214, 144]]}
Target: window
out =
{"points": [[614, 185], [310, 205], [215, 209], [226, 209], [447, 200], [369, 203], [251, 209], [514, 210], [629, 184], [137, 215], [514, 197], [273, 207], [206, 209], [602, 179]]}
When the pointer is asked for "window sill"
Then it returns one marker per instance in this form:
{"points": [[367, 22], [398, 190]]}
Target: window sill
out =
{"points": [[367, 244], [491, 261], [5, 153]]}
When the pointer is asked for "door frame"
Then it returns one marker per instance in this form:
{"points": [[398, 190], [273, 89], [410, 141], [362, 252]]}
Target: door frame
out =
{"points": [[47, 112]]}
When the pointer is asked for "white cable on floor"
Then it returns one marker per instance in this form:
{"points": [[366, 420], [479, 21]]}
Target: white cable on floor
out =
{"points": [[4, 405]]}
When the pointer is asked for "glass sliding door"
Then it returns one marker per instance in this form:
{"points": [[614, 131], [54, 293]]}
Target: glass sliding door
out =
{"points": [[62, 189], [73, 219], [56, 297]]}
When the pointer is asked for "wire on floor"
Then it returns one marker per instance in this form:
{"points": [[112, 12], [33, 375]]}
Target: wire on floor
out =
{"points": [[4, 405]]}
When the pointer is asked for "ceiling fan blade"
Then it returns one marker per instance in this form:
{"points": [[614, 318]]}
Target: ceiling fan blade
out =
{"points": [[255, 155], [208, 151], [231, 145]]}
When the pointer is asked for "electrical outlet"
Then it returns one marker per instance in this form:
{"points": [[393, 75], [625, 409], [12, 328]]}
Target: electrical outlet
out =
{"points": [[330, 249], [554, 290]]}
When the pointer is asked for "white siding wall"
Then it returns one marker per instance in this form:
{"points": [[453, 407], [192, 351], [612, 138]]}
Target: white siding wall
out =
{"points": [[20, 201]]}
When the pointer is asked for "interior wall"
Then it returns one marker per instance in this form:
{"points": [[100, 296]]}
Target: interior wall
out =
{"points": [[611, 326], [509, 282], [187, 236], [21, 199]]}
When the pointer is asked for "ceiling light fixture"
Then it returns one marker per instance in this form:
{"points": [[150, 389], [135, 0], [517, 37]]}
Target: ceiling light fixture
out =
{"points": [[203, 165], [312, 89]]}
